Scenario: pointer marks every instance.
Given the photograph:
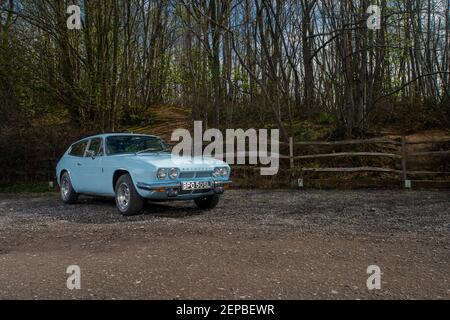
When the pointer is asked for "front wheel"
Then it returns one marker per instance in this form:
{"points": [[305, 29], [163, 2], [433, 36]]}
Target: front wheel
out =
{"points": [[209, 202], [128, 200]]}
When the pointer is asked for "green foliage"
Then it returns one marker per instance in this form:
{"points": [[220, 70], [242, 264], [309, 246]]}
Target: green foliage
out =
{"points": [[306, 130], [324, 118], [36, 187]]}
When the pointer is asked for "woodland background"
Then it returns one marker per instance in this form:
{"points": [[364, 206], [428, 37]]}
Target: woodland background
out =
{"points": [[310, 68]]}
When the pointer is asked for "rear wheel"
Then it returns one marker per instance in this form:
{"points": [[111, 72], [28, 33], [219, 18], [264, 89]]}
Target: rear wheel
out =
{"points": [[68, 194], [209, 202], [128, 200]]}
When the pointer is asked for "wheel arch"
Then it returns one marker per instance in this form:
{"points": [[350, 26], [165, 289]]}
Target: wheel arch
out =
{"points": [[117, 174]]}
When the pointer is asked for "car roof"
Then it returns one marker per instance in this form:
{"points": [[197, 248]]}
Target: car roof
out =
{"points": [[106, 135]]}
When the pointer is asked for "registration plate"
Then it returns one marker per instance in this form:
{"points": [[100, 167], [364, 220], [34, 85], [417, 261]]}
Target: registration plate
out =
{"points": [[195, 185]]}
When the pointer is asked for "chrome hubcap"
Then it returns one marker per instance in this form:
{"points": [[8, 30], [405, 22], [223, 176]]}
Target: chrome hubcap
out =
{"points": [[123, 197], [65, 187]]}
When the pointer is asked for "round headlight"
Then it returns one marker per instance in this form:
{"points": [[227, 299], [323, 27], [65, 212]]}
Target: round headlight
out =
{"points": [[216, 172], [173, 173], [223, 172], [161, 173]]}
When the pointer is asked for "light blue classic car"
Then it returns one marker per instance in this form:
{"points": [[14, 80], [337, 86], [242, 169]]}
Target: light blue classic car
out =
{"points": [[134, 167]]}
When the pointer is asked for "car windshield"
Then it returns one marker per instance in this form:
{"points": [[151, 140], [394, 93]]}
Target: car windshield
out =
{"points": [[134, 144]]}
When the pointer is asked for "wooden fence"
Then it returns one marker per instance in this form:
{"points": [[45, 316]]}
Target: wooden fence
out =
{"points": [[403, 156]]}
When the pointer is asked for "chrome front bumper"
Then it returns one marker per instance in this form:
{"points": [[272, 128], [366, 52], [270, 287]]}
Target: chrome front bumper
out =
{"points": [[218, 186]]}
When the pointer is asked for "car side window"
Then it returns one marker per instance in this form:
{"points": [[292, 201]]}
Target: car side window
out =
{"points": [[96, 147], [78, 149]]}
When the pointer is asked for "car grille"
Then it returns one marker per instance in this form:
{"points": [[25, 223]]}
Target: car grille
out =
{"points": [[195, 174]]}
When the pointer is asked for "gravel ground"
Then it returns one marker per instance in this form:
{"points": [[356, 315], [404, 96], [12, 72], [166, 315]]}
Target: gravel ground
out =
{"points": [[257, 244]]}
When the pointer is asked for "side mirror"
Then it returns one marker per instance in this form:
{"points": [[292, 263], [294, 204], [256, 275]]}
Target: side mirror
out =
{"points": [[90, 153]]}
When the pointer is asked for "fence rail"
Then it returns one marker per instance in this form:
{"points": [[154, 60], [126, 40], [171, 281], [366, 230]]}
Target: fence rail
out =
{"points": [[348, 154], [344, 142]]}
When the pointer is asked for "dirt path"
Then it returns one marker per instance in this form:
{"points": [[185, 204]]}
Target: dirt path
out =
{"points": [[163, 121], [425, 163], [255, 245]]}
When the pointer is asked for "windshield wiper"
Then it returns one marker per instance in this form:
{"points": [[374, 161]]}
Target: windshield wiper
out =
{"points": [[147, 150]]}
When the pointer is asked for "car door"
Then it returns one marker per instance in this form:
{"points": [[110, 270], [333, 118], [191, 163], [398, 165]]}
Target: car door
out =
{"points": [[75, 161], [92, 170]]}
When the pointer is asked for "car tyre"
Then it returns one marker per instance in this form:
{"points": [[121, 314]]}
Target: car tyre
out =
{"points": [[128, 200], [67, 192], [207, 203]]}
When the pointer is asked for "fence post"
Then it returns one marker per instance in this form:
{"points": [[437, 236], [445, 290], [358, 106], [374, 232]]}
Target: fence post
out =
{"points": [[291, 151], [406, 182]]}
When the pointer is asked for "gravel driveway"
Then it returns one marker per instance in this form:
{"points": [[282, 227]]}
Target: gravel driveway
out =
{"points": [[257, 244]]}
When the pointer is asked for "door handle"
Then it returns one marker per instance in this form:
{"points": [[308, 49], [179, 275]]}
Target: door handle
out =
{"points": [[78, 164]]}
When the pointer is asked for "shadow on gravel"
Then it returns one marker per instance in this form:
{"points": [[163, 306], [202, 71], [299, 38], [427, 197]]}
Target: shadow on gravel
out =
{"points": [[87, 210], [103, 210]]}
